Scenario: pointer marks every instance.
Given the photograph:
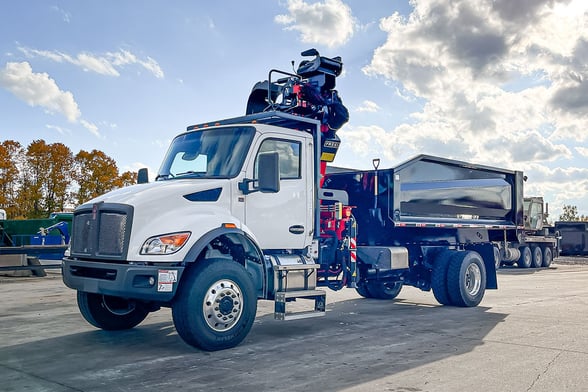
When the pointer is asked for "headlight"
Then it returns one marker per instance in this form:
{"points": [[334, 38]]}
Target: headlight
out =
{"points": [[165, 244]]}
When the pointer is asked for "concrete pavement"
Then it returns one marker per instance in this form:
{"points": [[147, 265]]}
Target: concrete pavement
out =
{"points": [[530, 335]]}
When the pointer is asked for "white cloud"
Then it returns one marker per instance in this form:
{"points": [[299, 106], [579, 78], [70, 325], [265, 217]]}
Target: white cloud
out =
{"points": [[327, 23], [108, 64], [465, 61], [90, 127], [368, 106], [582, 151], [38, 89]]}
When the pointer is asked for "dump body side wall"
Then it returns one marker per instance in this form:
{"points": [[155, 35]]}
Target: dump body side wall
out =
{"points": [[433, 200]]}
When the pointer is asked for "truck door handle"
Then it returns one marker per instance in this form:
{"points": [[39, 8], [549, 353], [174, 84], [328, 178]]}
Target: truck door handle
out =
{"points": [[296, 229]]}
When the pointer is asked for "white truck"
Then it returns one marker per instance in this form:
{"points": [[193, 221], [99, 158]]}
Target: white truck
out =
{"points": [[242, 210]]}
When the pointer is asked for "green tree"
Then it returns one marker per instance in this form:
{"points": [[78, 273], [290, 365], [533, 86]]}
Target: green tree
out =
{"points": [[570, 213]]}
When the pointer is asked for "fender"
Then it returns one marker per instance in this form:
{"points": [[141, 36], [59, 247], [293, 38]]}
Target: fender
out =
{"points": [[254, 263]]}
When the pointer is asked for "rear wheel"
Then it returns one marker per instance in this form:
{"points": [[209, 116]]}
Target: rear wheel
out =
{"points": [[526, 257], [215, 306], [439, 277], [537, 257], [547, 257], [110, 313], [497, 257], [466, 279]]}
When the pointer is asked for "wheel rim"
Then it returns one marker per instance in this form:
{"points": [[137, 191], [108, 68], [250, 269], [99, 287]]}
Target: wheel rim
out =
{"points": [[473, 279], [222, 305]]}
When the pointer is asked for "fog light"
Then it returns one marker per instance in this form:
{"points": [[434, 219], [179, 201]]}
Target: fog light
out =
{"points": [[151, 281]]}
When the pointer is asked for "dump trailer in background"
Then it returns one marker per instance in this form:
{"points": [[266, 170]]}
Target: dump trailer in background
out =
{"points": [[574, 237]]}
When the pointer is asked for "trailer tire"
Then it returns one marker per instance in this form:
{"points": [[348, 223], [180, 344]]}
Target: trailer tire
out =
{"points": [[547, 257], [526, 258], [439, 277], [537, 256], [110, 313], [215, 305], [384, 289], [466, 279]]}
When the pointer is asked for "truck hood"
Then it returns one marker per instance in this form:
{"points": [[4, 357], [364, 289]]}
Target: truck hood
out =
{"points": [[163, 192]]}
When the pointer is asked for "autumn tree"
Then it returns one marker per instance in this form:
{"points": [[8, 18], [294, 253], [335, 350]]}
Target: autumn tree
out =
{"points": [[96, 173], [10, 151], [44, 179], [570, 213]]}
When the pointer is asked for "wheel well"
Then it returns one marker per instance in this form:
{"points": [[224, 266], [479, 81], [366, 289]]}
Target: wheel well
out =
{"points": [[232, 245]]}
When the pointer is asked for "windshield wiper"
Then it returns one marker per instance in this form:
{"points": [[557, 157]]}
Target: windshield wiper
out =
{"points": [[192, 173]]}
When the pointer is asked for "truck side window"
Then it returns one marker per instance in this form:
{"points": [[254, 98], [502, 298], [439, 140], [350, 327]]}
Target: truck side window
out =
{"points": [[289, 153]]}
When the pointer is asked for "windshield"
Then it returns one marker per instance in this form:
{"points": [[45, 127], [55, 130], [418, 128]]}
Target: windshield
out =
{"points": [[209, 153]]}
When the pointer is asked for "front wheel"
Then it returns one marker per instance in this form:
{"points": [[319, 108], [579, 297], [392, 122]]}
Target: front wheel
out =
{"points": [[466, 279], [110, 313], [215, 305]]}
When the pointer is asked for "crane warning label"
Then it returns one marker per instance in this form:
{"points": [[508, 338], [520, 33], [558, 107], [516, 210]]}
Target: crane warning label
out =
{"points": [[166, 280]]}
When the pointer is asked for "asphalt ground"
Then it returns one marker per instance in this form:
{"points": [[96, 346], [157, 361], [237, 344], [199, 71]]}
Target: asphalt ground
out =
{"points": [[530, 335]]}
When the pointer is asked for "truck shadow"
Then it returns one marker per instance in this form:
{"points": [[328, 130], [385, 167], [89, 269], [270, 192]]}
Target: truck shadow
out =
{"points": [[358, 341]]}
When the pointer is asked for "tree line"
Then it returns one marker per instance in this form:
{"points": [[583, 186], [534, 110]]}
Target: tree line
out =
{"points": [[44, 178], [570, 214]]}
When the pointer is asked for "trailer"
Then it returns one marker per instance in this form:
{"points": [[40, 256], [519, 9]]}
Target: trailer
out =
{"points": [[574, 237], [242, 210], [30, 246]]}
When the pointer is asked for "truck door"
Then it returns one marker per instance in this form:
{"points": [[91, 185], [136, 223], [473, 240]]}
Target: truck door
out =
{"points": [[282, 220]]}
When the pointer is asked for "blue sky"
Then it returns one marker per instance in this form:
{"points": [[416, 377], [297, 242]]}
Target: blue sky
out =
{"points": [[496, 82]]}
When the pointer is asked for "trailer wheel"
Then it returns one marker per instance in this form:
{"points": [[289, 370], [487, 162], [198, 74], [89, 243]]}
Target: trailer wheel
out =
{"points": [[466, 279], [439, 277], [547, 257], [526, 257], [110, 313], [215, 306], [384, 290], [537, 257]]}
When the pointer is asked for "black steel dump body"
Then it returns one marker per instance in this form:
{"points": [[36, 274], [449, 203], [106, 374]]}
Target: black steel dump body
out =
{"points": [[429, 192]]}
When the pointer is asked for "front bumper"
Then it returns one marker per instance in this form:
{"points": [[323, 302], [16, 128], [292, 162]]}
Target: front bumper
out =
{"points": [[142, 282]]}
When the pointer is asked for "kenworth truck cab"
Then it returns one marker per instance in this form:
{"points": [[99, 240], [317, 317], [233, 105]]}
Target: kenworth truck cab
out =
{"points": [[242, 210]]}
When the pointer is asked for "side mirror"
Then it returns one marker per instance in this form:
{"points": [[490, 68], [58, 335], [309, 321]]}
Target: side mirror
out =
{"points": [[269, 172], [143, 176]]}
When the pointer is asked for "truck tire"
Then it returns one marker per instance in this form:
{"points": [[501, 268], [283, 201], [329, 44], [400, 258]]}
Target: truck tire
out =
{"points": [[439, 277], [362, 289], [537, 257], [466, 279], [547, 257], [384, 290], [526, 258], [215, 305], [110, 313], [497, 258]]}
